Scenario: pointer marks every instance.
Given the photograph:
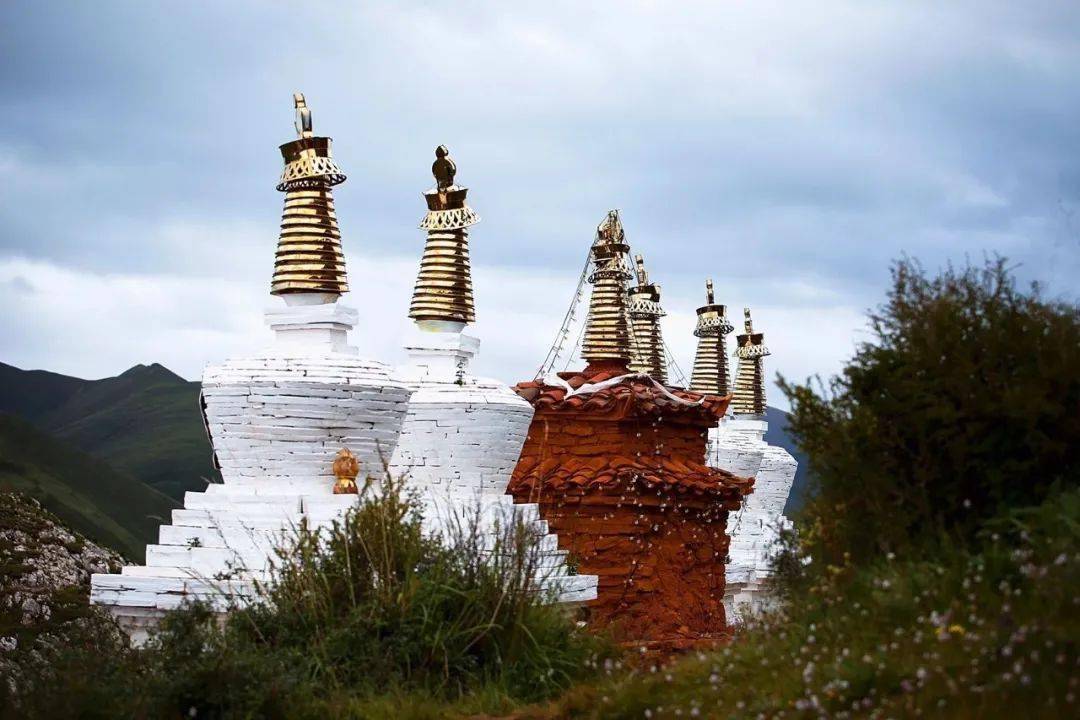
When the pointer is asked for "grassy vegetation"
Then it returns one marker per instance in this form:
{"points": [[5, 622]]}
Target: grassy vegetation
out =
{"points": [[145, 422], [371, 614], [107, 506], [986, 634], [962, 407]]}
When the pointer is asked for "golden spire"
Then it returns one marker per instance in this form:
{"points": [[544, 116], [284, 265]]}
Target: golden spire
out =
{"points": [[710, 375], [645, 313], [607, 330], [750, 381], [309, 257], [443, 289]]}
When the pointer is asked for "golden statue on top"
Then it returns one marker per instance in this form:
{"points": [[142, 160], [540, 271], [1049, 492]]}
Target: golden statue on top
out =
{"points": [[611, 229], [443, 168]]}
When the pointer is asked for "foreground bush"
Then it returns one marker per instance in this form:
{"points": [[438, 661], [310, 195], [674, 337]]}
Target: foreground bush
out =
{"points": [[371, 614], [963, 405], [989, 634]]}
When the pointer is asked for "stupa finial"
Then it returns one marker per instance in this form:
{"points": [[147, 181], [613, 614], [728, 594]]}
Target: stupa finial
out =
{"points": [[309, 258], [607, 330], [647, 341], [443, 168], [710, 375], [749, 395], [443, 291], [303, 116], [642, 273]]}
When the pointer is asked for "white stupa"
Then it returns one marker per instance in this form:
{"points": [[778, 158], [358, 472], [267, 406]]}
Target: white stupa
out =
{"points": [[276, 419], [739, 446], [463, 434]]}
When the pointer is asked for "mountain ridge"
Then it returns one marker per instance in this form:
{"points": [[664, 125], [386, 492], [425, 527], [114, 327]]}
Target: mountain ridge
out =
{"points": [[145, 422]]}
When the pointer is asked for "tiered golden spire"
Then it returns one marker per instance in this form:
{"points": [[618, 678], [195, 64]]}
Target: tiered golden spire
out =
{"points": [[309, 257], [607, 330], [710, 374], [443, 289], [750, 381], [645, 313]]}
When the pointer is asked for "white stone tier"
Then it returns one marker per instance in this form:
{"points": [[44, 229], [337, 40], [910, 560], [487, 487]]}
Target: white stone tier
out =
{"points": [[738, 446], [276, 421], [219, 546], [463, 435]]}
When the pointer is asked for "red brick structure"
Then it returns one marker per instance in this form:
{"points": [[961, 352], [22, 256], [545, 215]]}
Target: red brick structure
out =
{"points": [[618, 471]]}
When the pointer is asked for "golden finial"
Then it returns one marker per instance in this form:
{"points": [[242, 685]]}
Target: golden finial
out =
{"points": [[443, 168], [642, 274], [647, 342], [710, 375], [309, 258], [303, 116], [346, 467], [610, 229], [607, 330], [443, 290], [749, 393]]}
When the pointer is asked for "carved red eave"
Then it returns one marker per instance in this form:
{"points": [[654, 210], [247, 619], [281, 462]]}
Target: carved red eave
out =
{"points": [[567, 474]]}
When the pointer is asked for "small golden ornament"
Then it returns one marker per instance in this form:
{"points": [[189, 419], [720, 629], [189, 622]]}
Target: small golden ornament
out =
{"points": [[346, 468]]}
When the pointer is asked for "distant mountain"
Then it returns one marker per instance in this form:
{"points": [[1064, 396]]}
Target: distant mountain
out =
{"points": [[108, 506], [145, 422], [778, 435]]}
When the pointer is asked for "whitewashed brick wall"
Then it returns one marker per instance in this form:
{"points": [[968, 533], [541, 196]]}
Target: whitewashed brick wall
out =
{"points": [[276, 423], [738, 446], [460, 442]]}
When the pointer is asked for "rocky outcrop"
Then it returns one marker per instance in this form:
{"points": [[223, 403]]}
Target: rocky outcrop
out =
{"points": [[45, 572]]}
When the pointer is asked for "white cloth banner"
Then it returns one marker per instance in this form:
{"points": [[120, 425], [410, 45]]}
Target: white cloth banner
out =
{"points": [[555, 380]]}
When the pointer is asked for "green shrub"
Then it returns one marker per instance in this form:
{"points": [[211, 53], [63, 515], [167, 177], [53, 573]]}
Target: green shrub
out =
{"points": [[369, 614], [445, 613], [962, 406], [987, 634]]}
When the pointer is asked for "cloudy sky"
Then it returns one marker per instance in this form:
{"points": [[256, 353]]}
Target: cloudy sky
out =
{"points": [[788, 150]]}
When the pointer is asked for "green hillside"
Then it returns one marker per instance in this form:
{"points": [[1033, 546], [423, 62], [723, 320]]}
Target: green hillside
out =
{"points": [[108, 506], [145, 422]]}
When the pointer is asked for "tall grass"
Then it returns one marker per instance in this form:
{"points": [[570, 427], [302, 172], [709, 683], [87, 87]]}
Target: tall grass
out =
{"points": [[368, 614], [447, 611]]}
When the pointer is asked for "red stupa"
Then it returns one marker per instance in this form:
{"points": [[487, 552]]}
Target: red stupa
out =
{"points": [[616, 462]]}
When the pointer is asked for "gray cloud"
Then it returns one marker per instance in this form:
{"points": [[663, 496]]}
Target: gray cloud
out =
{"points": [[789, 150]]}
